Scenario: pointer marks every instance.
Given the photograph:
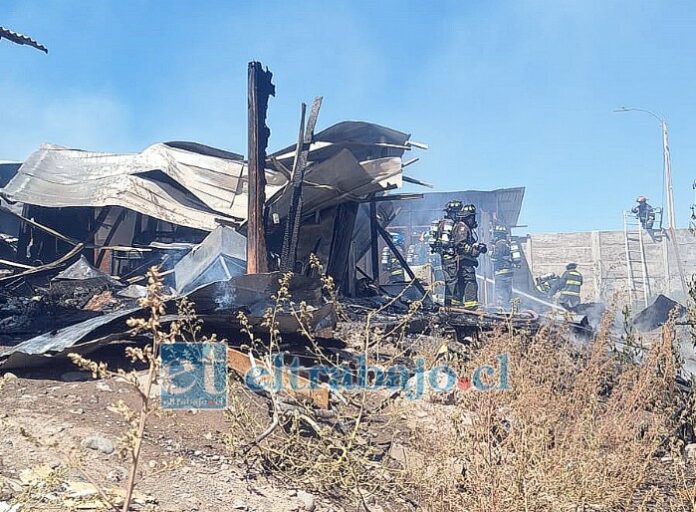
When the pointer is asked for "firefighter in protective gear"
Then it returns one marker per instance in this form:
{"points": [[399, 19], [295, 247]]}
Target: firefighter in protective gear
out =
{"points": [[419, 252], [569, 286], [503, 266], [455, 240], [644, 212], [390, 263]]}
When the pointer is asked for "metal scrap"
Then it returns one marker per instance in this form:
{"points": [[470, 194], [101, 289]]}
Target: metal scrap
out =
{"points": [[21, 39]]}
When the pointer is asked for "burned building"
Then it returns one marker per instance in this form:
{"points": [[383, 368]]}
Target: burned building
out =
{"points": [[183, 206], [130, 210]]}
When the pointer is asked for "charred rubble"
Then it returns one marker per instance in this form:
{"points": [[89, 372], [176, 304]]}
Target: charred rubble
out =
{"points": [[83, 227], [78, 230]]}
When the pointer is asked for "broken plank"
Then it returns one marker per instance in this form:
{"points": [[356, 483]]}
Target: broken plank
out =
{"points": [[242, 363], [15, 264], [292, 230], [49, 266]]}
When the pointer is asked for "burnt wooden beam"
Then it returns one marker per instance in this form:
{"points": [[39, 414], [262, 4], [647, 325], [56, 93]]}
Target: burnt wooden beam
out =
{"points": [[285, 265], [288, 253], [379, 286], [402, 261], [103, 214], [392, 197], [338, 264], [409, 179], [110, 236], [15, 278], [39, 226], [350, 274], [260, 89], [374, 241]]}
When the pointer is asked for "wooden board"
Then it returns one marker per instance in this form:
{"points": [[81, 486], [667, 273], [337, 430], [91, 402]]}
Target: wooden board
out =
{"points": [[241, 363]]}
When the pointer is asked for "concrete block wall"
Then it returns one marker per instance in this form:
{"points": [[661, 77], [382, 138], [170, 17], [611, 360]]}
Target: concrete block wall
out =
{"points": [[601, 257]]}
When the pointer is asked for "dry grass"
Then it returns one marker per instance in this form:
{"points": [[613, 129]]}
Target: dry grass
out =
{"points": [[579, 429], [582, 426], [334, 453]]}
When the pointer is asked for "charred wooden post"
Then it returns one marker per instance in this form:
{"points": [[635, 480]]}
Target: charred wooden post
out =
{"points": [[350, 275], [402, 261], [288, 254], [260, 88], [338, 262], [374, 241]]}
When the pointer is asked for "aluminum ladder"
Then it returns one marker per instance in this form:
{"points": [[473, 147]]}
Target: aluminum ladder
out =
{"points": [[636, 266]]}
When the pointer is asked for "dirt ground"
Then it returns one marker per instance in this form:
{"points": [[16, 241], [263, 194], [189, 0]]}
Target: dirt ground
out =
{"points": [[64, 407]]}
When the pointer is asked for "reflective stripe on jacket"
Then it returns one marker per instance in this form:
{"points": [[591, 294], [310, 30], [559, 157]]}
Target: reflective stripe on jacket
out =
{"points": [[572, 282], [391, 263]]}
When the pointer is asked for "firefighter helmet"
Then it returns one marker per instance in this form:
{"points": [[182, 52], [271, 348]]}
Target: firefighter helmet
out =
{"points": [[454, 206], [641, 199], [468, 210], [500, 231], [398, 239], [571, 266]]}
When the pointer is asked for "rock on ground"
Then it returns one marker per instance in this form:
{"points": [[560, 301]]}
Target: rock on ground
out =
{"points": [[307, 500], [98, 443]]}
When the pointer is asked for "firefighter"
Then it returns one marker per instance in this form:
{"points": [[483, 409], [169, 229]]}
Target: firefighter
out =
{"points": [[419, 251], [503, 266], [390, 263], [644, 212], [569, 286], [455, 240]]}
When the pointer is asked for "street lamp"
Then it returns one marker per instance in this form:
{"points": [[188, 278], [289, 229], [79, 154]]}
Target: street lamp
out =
{"points": [[666, 161]]}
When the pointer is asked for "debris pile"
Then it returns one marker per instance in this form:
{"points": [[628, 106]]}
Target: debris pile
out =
{"points": [[84, 226]]}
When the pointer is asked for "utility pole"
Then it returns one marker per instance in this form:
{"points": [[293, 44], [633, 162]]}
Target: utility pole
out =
{"points": [[260, 88], [669, 192], [667, 163], [672, 225]]}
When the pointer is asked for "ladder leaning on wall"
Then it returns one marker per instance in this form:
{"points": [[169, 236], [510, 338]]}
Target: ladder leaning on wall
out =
{"points": [[636, 266]]}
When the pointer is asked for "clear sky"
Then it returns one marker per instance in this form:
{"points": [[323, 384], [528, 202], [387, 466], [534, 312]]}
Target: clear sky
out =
{"points": [[506, 93]]}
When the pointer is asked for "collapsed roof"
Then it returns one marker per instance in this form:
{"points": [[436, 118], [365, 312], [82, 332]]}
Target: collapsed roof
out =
{"points": [[201, 187]]}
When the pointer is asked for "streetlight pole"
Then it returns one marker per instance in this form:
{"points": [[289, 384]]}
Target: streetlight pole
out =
{"points": [[667, 166], [666, 162], [671, 223]]}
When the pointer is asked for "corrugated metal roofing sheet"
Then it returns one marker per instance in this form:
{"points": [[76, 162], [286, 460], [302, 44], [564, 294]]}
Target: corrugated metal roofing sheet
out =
{"points": [[6, 33], [193, 185]]}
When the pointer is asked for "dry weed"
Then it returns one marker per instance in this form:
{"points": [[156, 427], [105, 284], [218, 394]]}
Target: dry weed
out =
{"points": [[579, 429]]}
